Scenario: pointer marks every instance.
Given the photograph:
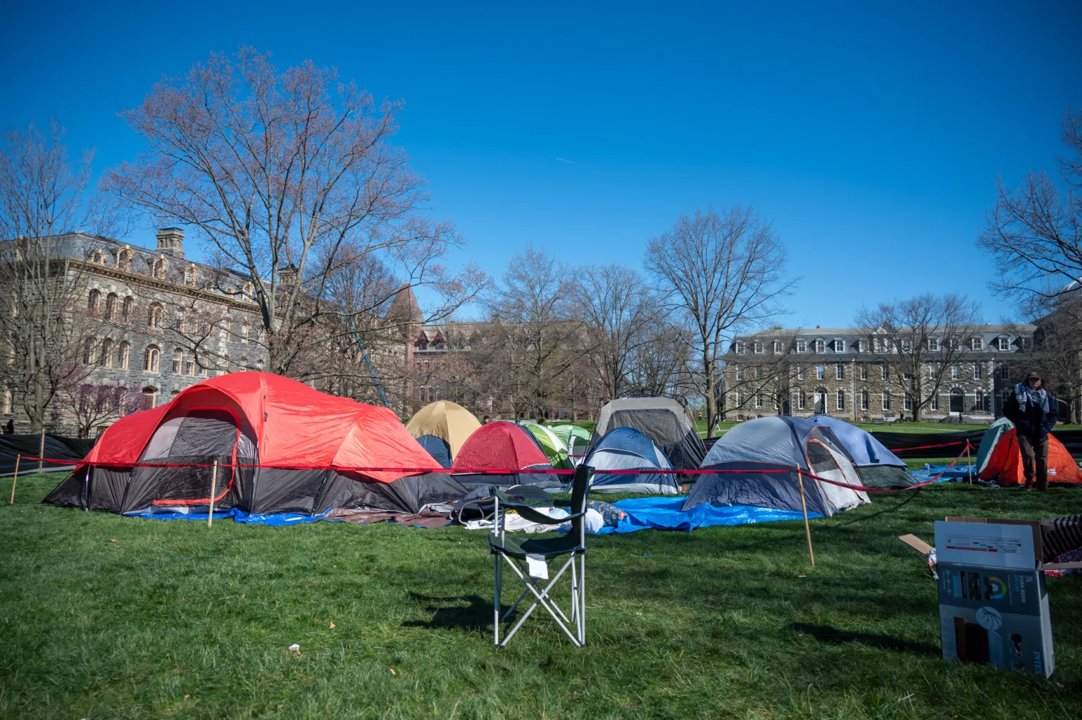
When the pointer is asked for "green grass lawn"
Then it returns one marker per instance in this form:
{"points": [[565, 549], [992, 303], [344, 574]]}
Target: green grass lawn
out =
{"points": [[103, 616]]}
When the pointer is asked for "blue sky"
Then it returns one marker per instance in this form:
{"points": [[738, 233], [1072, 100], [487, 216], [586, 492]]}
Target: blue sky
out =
{"points": [[870, 135]]}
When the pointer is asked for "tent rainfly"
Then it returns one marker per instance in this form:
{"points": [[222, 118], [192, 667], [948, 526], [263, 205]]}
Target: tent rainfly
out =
{"points": [[554, 448], [498, 453], [280, 445], [757, 463], [446, 420], [626, 448], [999, 459], [877, 466]]}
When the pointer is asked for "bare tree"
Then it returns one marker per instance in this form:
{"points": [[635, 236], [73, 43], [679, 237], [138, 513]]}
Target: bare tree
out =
{"points": [[95, 405], [1035, 234], [1058, 357], [288, 173], [917, 341], [44, 329], [534, 331], [618, 312], [724, 273]]}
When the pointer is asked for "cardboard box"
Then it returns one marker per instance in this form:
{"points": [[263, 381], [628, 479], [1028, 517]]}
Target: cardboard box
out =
{"points": [[993, 606]]}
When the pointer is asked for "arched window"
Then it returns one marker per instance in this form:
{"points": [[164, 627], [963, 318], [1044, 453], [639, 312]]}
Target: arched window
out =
{"points": [[92, 301], [178, 360], [97, 257], [189, 364], [123, 259], [88, 351], [158, 269], [259, 364], [110, 306], [123, 352], [126, 308], [154, 315], [150, 398], [152, 359], [106, 356], [190, 275]]}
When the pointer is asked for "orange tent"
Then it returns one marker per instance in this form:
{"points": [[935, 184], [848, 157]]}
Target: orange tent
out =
{"points": [[1005, 462]]}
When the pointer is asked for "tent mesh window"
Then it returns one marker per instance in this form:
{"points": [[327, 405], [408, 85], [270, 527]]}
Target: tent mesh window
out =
{"points": [[821, 460]]}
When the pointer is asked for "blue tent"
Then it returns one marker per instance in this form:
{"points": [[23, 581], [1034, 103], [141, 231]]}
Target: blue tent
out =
{"points": [[437, 448], [877, 466], [626, 448]]}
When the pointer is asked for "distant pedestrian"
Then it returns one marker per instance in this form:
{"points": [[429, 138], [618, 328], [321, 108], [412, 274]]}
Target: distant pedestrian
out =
{"points": [[9, 429], [1032, 409], [484, 420]]}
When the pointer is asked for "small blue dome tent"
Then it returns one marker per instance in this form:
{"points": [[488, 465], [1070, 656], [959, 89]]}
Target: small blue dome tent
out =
{"points": [[625, 448]]}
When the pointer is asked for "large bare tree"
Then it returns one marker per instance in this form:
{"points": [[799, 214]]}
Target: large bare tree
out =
{"points": [[290, 175], [917, 341], [723, 272], [1034, 234], [45, 326], [619, 313]]}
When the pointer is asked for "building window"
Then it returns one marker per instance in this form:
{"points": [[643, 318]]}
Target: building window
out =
{"points": [[956, 372], [820, 372], [976, 343], [756, 372], [777, 347], [123, 259], [977, 371], [158, 269], [123, 351], [978, 401], [907, 345], [92, 301], [150, 398], [1004, 372], [110, 306], [864, 400], [801, 399], [106, 357], [738, 347], [758, 400], [757, 347], [933, 344], [126, 308], [800, 372], [884, 372], [839, 371], [839, 345], [862, 370], [738, 372], [189, 364], [190, 276], [886, 401], [178, 359], [862, 346], [1003, 344], [88, 351], [908, 403], [152, 359], [154, 315], [839, 401], [820, 346], [801, 346]]}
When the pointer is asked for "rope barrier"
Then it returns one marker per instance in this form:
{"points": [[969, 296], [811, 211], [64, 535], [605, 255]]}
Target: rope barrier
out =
{"points": [[515, 471]]}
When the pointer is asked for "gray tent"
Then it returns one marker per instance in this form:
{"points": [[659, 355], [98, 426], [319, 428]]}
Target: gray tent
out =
{"points": [[665, 421], [757, 463]]}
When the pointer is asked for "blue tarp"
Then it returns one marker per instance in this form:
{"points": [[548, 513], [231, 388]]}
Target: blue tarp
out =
{"points": [[961, 473], [272, 519], [664, 513]]}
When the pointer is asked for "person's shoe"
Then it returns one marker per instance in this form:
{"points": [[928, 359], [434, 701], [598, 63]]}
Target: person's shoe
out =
{"points": [[1027, 486]]}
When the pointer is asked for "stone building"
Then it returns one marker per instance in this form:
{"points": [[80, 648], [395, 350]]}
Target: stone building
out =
{"points": [[845, 373]]}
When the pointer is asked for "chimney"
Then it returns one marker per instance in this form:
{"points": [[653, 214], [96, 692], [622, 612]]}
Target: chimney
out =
{"points": [[171, 241]]}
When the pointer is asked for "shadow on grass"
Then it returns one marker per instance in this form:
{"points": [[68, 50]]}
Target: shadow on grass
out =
{"points": [[456, 612], [834, 636]]}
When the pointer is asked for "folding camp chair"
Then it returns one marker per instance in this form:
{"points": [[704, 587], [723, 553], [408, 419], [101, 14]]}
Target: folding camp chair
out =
{"points": [[520, 552]]}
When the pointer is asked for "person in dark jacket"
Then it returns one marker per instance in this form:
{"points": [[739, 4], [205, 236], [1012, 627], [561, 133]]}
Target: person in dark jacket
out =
{"points": [[1032, 409]]}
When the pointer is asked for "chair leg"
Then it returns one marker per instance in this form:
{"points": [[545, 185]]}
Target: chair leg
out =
{"points": [[543, 598], [496, 575], [582, 600]]}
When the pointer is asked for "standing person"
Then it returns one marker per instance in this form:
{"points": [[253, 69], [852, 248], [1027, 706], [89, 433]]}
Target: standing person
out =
{"points": [[1032, 409]]}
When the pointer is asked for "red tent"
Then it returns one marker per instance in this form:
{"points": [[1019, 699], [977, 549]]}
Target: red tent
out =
{"points": [[281, 446], [1005, 462], [504, 447]]}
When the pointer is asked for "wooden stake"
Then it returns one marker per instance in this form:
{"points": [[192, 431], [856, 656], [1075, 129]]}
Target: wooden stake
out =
{"points": [[15, 478], [969, 463], [41, 451], [804, 507], [213, 489]]}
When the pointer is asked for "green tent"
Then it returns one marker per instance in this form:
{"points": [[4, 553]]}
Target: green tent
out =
{"points": [[550, 444], [576, 439]]}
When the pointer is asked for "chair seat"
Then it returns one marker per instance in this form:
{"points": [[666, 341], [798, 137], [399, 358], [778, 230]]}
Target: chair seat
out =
{"points": [[548, 547]]}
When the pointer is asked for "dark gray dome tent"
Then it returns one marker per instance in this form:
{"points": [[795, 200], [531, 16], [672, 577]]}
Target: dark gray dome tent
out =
{"points": [[758, 461], [628, 449], [665, 421]]}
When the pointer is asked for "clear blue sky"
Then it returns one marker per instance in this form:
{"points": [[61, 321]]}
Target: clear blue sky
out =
{"points": [[870, 135]]}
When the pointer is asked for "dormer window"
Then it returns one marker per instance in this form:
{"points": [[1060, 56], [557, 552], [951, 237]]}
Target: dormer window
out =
{"points": [[801, 346], [933, 344], [820, 346], [190, 276], [839, 345], [758, 347], [1003, 343], [738, 347], [157, 270], [123, 259], [97, 257], [976, 343]]}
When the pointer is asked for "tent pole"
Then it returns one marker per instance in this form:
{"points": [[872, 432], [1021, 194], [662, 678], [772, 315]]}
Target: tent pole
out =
{"points": [[213, 489], [804, 507], [15, 479]]}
